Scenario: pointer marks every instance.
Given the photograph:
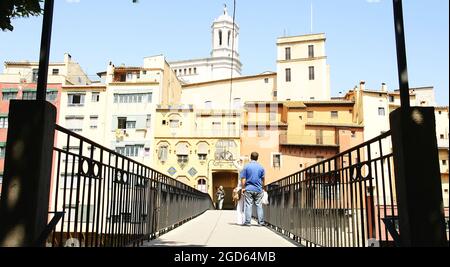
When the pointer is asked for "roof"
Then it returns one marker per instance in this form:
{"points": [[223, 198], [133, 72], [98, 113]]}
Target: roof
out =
{"points": [[186, 86], [301, 38], [330, 102]]}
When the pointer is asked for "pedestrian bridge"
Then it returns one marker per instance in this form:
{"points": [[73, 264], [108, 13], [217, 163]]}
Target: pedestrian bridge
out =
{"points": [[219, 229]]}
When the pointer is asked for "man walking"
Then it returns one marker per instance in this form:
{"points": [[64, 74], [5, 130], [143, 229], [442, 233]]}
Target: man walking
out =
{"points": [[252, 177]]}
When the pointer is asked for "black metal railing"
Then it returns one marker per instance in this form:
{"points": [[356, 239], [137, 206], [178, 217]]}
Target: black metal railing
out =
{"points": [[346, 201], [109, 200]]}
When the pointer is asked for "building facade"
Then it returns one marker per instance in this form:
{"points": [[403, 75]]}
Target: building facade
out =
{"points": [[303, 72], [198, 147], [19, 81]]}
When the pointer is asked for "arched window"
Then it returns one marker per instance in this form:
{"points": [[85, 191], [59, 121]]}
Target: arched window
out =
{"points": [[201, 185], [202, 150], [220, 37], [229, 37]]}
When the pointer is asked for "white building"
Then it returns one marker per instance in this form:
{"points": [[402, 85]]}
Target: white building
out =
{"points": [[303, 72], [67, 72], [224, 60]]}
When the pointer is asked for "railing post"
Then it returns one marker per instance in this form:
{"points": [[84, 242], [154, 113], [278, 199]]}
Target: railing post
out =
{"points": [[417, 177], [28, 164]]}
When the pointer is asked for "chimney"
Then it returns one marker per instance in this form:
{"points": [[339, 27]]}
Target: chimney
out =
{"points": [[67, 58], [384, 87], [362, 86]]}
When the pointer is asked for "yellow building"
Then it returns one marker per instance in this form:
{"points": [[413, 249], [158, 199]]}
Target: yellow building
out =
{"points": [[198, 147]]}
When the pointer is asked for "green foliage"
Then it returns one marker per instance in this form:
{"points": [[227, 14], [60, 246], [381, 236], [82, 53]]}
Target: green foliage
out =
{"points": [[10, 9]]}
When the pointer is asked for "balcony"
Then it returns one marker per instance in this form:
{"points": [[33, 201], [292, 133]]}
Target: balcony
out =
{"points": [[308, 141]]}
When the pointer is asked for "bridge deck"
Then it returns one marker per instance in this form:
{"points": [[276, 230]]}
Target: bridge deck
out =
{"points": [[218, 229]]}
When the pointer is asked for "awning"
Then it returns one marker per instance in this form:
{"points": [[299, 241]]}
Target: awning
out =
{"points": [[202, 148], [182, 149], [10, 90]]}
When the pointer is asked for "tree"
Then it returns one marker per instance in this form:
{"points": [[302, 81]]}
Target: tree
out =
{"points": [[10, 9]]}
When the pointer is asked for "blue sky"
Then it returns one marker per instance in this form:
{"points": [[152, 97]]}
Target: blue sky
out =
{"points": [[360, 36]]}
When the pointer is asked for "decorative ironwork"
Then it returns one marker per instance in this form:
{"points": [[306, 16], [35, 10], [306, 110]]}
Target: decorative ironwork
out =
{"points": [[109, 200]]}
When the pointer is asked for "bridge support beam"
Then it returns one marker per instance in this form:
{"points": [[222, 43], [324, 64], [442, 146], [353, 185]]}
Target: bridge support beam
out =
{"points": [[418, 181], [28, 163]]}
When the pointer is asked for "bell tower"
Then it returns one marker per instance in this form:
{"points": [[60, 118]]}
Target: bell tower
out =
{"points": [[222, 36]]}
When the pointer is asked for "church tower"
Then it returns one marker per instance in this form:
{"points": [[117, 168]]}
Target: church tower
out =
{"points": [[222, 36], [224, 46]]}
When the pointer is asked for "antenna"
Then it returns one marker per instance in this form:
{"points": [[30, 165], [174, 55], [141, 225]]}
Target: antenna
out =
{"points": [[232, 52], [312, 17]]}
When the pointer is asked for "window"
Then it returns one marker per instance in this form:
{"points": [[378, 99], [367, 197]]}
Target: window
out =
{"points": [[310, 114], [163, 152], [174, 123], [311, 73], [52, 96], [133, 98], [185, 71], [288, 75], [310, 51], [76, 99], [3, 122], [391, 98], [121, 123], [444, 162], [183, 159], [334, 114], [148, 121], [202, 151], [275, 93], [94, 122], [208, 105], [190, 71], [74, 123], [35, 75], [266, 80], [195, 70], [353, 134], [29, 95], [288, 53], [442, 136], [220, 37], [129, 76], [130, 150], [319, 137], [276, 160], [201, 185], [183, 153], [55, 71], [381, 112], [144, 72], [2, 151], [9, 95], [229, 37], [95, 97], [131, 125], [1, 178]]}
